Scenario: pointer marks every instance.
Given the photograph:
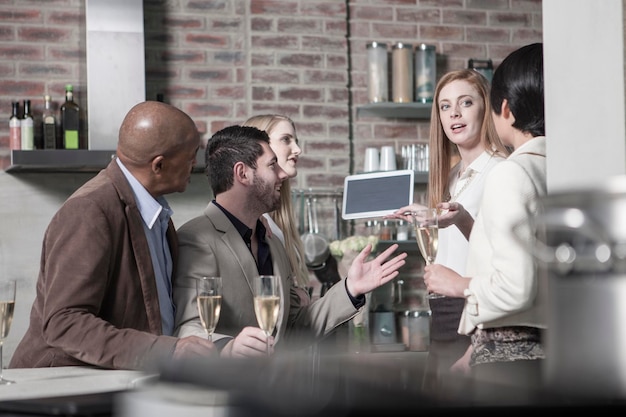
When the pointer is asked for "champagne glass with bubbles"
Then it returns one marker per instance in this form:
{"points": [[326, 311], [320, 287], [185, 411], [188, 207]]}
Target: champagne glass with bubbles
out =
{"points": [[426, 227], [267, 303], [7, 306], [209, 299]]}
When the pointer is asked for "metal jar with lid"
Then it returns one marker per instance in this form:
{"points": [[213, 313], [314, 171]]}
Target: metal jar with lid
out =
{"points": [[581, 254], [402, 72], [377, 72], [425, 72]]}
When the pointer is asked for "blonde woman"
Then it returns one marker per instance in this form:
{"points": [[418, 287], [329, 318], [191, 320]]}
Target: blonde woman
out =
{"points": [[284, 142]]}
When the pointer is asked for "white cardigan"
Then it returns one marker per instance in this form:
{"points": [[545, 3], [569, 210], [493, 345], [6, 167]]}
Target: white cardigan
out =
{"points": [[505, 289]]}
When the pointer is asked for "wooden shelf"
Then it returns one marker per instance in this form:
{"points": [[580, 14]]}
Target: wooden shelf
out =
{"points": [[396, 110]]}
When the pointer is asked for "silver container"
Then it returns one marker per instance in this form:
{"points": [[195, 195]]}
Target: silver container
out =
{"points": [[581, 246]]}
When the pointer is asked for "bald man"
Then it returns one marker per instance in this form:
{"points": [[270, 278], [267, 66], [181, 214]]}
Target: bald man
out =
{"points": [[104, 285]]}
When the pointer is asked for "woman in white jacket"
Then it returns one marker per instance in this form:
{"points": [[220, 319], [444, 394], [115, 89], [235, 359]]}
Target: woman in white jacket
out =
{"points": [[505, 297]]}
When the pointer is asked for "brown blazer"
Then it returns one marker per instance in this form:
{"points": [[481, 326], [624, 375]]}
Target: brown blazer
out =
{"points": [[211, 245], [96, 301]]}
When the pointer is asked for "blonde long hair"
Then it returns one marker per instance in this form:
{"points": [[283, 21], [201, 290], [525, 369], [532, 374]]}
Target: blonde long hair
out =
{"points": [[442, 150], [285, 216]]}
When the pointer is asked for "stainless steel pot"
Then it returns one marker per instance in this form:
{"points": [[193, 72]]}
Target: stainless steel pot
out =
{"points": [[581, 245]]}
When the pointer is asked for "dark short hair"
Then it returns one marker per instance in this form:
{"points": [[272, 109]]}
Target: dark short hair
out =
{"points": [[519, 80], [227, 147]]}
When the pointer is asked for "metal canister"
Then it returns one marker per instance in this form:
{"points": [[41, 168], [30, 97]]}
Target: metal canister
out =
{"points": [[425, 72], [377, 72], [402, 72]]}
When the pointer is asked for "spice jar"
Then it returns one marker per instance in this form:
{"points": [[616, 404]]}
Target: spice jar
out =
{"points": [[402, 230], [415, 332], [386, 230], [425, 73], [378, 75], [402, 72]]}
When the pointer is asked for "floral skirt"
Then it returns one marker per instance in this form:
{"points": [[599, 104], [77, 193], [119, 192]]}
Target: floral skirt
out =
{"points": [[506, 344]]}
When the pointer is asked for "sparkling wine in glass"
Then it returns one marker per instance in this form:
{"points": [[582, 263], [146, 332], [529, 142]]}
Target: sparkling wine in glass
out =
{"points": [[267, 303], [426, 227], [209, 299], [7, 307]]}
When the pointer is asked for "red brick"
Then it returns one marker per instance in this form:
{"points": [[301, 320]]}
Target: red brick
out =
{"points": [[183, 56], [486, 35], [509, 19], [7, 33], [13, 15], [328, 111], [22, 52], [217, 74], [69, 18], [274, 7], [274, 76], [464, 17], [329, 77], [419, 16], [181, 23], [261, 24], [231, 92], [19, 89], [46, 70], [277, 42], [205, 39], [300, 94], [323, 9], [301, 60], [38, 34], [299, 25], [264, 93]]}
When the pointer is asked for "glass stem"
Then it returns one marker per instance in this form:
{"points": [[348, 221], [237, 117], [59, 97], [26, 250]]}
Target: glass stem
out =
{"points": [[1, 364]]}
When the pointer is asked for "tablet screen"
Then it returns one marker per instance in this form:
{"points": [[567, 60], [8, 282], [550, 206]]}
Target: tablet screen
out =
{"points": [[376, 194]]}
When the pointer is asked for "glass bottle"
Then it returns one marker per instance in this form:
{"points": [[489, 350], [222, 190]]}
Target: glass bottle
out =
{"points": [[15, 127], [402, 70], [49, 124], [70, 120], [377, 72], [27, 129], [425, 73]]}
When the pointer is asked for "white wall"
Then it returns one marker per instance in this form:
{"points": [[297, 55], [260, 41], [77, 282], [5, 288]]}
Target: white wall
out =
{"points": [[584, 92], [27, 203]]}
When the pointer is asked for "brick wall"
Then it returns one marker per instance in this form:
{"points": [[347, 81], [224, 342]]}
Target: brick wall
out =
{"points": [[224, 60]]}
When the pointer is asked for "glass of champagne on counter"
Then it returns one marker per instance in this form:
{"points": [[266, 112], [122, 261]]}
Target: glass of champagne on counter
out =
{"points": [[7, 306], [209, 299], [426, 227], [267, 303]]}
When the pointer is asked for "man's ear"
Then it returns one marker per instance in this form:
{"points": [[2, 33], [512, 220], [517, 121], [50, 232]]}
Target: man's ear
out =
{"points": [[157, 164], [241, 173]]}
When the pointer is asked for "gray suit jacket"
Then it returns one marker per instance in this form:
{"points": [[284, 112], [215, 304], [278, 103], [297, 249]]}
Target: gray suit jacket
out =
{"points": [[210, 245]]}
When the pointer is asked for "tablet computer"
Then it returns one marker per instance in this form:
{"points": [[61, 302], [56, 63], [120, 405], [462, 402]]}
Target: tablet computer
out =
{"points": [[376, 194]]}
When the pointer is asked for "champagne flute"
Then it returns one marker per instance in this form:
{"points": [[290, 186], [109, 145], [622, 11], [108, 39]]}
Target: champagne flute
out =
{"points": [[267, 303], [7, 306], [426, 227], [209, 299]]}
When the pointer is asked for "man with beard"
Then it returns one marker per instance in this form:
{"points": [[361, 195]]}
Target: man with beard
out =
{"points": [[229, 240]]}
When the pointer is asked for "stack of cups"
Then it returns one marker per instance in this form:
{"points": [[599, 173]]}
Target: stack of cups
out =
{"points": [[372, 161], [387, 158]]}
